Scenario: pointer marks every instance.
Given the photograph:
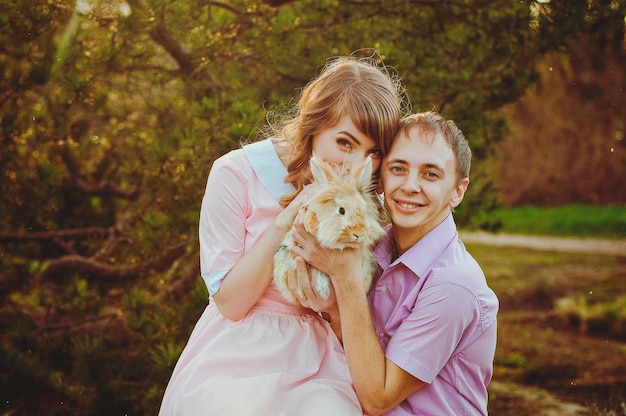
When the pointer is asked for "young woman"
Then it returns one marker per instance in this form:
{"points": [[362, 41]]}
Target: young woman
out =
{"points": [[252, 352]]}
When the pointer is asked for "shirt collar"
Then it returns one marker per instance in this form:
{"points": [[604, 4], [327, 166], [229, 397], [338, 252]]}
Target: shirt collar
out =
{"points": [[268, 167], [383, 252], [420, 257]]}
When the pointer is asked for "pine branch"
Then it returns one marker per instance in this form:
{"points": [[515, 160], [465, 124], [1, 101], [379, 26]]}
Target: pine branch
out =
{"points": [[99, 270], [54, 235]]}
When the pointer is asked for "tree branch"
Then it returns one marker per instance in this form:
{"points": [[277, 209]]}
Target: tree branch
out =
{"points": [[180, 288], [224, 5], [94, 325], [98, 270], [161, 35], [52, 235], [277, 3], [106, 187], [103, 187]]}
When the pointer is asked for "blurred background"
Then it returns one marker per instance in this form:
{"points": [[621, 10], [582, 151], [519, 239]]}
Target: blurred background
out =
{"points": [[112, 112]]}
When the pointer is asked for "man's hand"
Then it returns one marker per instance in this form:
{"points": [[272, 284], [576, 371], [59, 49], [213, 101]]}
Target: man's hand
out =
{"points": [[329, 261]]}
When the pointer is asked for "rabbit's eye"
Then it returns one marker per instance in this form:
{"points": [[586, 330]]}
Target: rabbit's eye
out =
{"points": [[342, 210]]}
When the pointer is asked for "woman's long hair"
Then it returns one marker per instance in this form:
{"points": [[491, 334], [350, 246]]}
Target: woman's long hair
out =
{"points": [[357, 87]]}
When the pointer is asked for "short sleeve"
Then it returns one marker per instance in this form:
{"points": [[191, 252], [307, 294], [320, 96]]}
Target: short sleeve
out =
{"points": [[429, 336], [222, 225]]}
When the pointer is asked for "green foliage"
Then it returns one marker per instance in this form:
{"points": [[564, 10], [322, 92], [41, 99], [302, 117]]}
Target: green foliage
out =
{"points": [[111, 114], [79, 299], [566, 140], [515, 360], [551, 368], [602, 221], [607, 318], [165, 355]]}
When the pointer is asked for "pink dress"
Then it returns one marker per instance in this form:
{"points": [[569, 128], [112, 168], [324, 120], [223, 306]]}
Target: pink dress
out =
{"points": [[281, 359]]}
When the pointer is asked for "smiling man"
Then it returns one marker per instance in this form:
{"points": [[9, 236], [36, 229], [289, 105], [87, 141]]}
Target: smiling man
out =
{"points": [[423, 341]]}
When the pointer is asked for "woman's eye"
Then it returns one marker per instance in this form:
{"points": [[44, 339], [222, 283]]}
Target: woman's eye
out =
{"points": [[344, 143], [376, 154]]}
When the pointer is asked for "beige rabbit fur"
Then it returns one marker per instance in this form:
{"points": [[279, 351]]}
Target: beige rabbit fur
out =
{"points": [[341, 213]]}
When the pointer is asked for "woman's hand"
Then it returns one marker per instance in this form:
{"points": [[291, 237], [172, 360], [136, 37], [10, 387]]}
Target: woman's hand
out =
{"points": [[285, 219], [301, 282]]}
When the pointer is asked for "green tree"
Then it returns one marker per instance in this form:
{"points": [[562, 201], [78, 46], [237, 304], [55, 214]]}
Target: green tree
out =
{"points": [[567, 138], [111, 113]]}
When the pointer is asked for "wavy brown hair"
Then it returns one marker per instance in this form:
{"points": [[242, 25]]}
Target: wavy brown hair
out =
{"points": [[361, 88]]}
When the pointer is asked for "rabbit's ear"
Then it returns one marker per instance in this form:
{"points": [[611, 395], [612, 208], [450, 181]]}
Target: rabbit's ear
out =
{"points": [[363, 175], [322, 172]]}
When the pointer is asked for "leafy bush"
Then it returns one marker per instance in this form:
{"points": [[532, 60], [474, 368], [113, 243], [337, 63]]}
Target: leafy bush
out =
{"points": [[606, 221], [607, 318]]}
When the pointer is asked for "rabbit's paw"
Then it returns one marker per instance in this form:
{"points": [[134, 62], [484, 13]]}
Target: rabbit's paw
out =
{"points": [[322, 285]]}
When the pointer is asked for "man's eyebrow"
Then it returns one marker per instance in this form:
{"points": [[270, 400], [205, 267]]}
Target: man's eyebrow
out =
{"points": [[433, 165], [398, 160], [423, 165]]}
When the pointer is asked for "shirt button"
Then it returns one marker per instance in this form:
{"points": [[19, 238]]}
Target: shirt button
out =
{"points": [[383, 288]]}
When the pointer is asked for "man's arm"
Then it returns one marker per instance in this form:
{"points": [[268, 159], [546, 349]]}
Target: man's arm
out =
{"points": [[380, 384]]}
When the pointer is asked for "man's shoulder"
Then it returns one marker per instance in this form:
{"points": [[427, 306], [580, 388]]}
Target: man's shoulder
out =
{"points": [[456, 266], [454, 255]]}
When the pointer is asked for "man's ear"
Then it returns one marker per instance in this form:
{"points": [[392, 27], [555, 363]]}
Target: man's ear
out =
{"points": [[459, 193]]}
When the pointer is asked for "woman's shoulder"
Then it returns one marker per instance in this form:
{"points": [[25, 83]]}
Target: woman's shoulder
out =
{"points": [[251, 151], [265, 158], [269, 148], [257, 161]]}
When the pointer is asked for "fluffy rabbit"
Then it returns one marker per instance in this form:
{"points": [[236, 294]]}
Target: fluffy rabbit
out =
{"points": [[341, 213]]}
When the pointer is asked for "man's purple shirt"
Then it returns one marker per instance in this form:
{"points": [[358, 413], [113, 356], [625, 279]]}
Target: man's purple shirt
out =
{"points": [[435, 317]]}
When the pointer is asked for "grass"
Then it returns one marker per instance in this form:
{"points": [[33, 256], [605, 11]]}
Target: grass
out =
{"points": [[606, 221], [539, 348], [561, 326]]}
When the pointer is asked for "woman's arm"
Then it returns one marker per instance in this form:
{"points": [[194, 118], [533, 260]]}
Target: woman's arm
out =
{"points": [[248, 279], [301, 285], [237, 276]]}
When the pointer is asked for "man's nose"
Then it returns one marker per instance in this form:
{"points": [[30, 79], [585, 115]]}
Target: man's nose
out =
{"points": [[411, 183]]}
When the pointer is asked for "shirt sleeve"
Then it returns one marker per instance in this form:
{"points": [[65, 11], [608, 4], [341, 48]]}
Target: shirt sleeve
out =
{"points": [[222, 226], [430, 335]]}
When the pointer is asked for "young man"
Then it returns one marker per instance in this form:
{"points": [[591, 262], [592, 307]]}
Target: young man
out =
{"points": [[423, 341]]}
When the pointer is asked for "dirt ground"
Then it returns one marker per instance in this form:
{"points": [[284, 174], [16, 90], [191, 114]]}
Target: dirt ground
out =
{"points": [[599, 384], [610, 247]]}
